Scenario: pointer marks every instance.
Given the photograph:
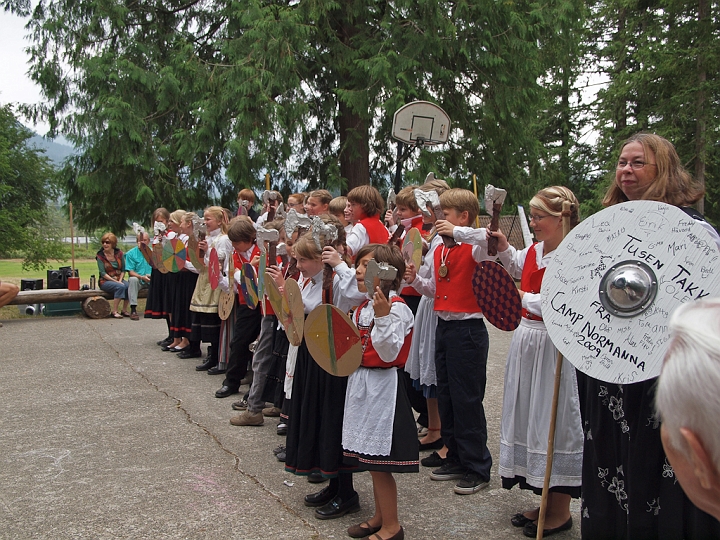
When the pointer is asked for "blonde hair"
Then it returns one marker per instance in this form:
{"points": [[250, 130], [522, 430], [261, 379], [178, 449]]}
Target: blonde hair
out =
{"points": [[218, 212], [550, 201], [461, 200], [177, 216], [406, 197], [337, 205], [672, 183], [437, 184], [111, 237]]}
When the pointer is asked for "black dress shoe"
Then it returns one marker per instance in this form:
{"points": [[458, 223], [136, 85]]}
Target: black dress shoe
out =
{"points": [[167, 348], [435, 445], [530, 529], [316, 478], [519, 520], [206, 365], [165, 342], [189, 354], [215, 371], [320, 498], [225, 391], [338, 507]]}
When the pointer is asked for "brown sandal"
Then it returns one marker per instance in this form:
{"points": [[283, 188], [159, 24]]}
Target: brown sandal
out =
{"points": [[361, 531]]}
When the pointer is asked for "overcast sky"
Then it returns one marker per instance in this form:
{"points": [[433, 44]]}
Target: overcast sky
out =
{"points": [[15, 86]]}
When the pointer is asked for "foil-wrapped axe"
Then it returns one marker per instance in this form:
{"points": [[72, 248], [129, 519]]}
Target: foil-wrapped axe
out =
{"points": [[379, 275], [429, 204], [328, 233], [294, 221], [494, 198], [391, 205], [267, 198]]}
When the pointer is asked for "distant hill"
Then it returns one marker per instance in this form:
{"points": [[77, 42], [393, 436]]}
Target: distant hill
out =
{"points": [[55, 152]]}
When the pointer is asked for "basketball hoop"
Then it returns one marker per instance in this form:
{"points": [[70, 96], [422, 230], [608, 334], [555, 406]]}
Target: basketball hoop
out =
{"points": [[421, 123]]}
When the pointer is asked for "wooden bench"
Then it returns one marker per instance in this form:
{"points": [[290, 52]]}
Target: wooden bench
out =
{"points": [[94, 301]]}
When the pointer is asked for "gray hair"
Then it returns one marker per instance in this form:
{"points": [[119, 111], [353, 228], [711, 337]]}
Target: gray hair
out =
{"points": [[688, 391]]}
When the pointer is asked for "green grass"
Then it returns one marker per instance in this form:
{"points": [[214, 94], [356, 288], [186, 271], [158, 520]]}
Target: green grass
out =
{"points": [[11, 270]]}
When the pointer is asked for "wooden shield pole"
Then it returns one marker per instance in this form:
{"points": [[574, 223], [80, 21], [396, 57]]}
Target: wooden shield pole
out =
{"points": [[553, 412], [72, 240]]}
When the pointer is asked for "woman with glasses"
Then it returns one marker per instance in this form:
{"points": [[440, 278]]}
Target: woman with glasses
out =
{"points": [[629, 489], [530, 380], [296, 202], [111, 269]]}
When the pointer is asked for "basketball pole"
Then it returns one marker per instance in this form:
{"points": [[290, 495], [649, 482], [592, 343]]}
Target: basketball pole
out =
{"points": [[553, 412]]}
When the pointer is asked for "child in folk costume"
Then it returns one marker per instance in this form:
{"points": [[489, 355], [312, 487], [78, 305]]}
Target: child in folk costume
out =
{"points": [[315, 431], [365, 206], [317, 202], [530, 379], [421, 360], [461, 343], [204, 302], [181, 286], [379, 428], [246, 320], [183, 296], [158, 300]]}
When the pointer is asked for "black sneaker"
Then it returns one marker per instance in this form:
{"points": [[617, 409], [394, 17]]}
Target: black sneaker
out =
{"points": [[279, 449], [433, 460], [165, 342], [449, 471], [471, 483]]}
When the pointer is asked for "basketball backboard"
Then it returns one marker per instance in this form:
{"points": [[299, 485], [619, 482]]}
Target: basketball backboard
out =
{"points": [[421, 123]]}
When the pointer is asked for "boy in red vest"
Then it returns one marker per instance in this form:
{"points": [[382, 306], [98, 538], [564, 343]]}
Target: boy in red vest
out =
{"points": [[461, 343], [365, 207], [247, 323]]}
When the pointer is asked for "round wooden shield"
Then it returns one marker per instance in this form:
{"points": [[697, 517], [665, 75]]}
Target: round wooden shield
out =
{"points": [[248, 285], [612, 284], [174, 255], [412, 247], [293, 312], [274, 296], [497, 295], [333, 340], [226, 302], [194, 253], [147, 254], [213, 269], [158, 257]]}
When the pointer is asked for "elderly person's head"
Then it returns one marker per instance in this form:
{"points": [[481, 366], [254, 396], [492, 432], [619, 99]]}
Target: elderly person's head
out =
{"points": [[143, 238], [688, 400]]}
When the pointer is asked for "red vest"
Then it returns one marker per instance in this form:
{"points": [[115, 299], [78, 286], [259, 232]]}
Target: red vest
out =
{"points": [[370, 357], [238, 261], [531, 279], [376, 231], [454, 292]]}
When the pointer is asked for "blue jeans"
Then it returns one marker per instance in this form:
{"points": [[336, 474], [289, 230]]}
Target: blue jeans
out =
{"points": [[118, 290]]}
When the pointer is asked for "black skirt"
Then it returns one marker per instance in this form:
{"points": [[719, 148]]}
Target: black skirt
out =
{"points": [[274, 389], [205, 327], [404, 452], [182, 285], [314, 439], [629, 489], [159, 298]]}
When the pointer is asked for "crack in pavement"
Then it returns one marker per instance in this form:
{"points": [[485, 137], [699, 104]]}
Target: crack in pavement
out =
{"points": [[209, 433]]}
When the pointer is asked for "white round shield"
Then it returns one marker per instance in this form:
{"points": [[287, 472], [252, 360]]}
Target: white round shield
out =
{"points": [[612, 284]]}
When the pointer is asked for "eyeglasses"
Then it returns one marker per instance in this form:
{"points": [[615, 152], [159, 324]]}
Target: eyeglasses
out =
{"points": [[537, 219], [106, 242], [637, 164]]}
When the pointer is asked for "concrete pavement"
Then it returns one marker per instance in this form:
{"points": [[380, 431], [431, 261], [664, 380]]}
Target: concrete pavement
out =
{"points": [[102, 435]]}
